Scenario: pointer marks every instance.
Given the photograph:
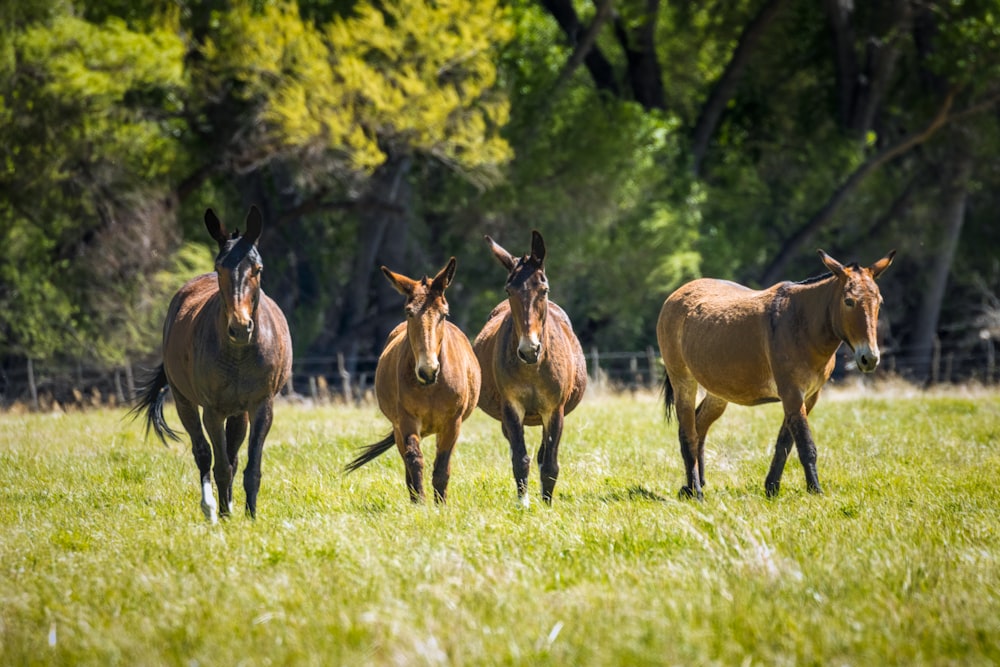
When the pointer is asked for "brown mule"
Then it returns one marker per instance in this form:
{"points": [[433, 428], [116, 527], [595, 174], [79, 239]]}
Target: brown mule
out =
{"points": [[749, 347], [227, 350], [426, 382], [534, 371]]}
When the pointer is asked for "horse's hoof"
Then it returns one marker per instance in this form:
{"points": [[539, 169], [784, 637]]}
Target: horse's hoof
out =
{"points": [[771, 489], [816, 489], [687, 494], [524, 502]]}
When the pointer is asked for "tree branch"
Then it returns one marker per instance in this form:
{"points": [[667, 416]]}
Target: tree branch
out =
{"points": [[802, 235], [725, 87]]}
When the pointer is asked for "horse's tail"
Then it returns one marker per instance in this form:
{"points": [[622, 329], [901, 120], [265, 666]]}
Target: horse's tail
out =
{"points": [[371, 452], [150, 400], [668, 396]]}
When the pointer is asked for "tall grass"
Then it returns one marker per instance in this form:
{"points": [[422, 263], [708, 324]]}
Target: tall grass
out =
{"points": [[105, 557]]}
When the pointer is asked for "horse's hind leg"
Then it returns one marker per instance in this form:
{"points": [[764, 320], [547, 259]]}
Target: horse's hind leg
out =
{"points": [[709, 410], [685, 393], [548, 454], [202, 451]]}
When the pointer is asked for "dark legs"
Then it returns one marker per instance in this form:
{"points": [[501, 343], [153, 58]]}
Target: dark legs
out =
{"points": [[442, 461], [202, 450], [795, 429], [693, 427], [513, 428], [413, 461], [548, 454], [260, 425]]}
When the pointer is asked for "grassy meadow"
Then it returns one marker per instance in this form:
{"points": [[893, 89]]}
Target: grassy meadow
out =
{"points": [[105, 557]]}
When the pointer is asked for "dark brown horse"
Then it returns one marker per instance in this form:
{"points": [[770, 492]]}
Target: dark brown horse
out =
{"points": [[226, 349], [426, 382], [749, 347], [534, 371]]}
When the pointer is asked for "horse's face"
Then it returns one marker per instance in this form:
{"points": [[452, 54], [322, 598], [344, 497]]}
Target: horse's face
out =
{"points": [[527, 291], [857, 308], [426, 311], [239, 267]]}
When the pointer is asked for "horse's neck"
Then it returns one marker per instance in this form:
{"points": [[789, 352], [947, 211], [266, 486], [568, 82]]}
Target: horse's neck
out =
{"points": [[816, 304]]}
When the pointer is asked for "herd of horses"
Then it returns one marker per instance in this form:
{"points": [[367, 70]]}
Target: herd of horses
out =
{"points": [[227, 350]]}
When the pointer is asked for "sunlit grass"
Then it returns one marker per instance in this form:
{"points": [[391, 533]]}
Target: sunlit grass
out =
{"points": [[105, 557]]}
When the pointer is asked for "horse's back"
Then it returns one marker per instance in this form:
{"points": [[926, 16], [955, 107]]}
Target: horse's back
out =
{"points": [[717, 332]]}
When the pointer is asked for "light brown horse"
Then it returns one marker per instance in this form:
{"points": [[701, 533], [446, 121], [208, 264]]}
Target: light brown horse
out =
{"points": [[426, 382], [534, 371], [226, 349], [750, 347]]}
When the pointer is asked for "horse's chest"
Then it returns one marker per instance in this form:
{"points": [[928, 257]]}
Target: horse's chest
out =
{"points": [[235, 383]]}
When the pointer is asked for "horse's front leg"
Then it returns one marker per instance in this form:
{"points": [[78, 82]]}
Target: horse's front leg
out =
{"points": [[446, 440], [202, 451], [513, 427], [260, 425], [236, 432], [215, 426], [548, 453], [798, 424], [408, 444]]}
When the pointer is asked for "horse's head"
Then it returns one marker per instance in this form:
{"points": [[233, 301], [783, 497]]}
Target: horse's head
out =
{"points": [[857, 307], [426, 310], [527, 291], [238, 266]]}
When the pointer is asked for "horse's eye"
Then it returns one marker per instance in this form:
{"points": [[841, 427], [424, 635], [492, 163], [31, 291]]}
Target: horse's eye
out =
{"points": [[849, 302]]}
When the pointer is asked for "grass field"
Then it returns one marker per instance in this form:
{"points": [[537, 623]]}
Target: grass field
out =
{"points": [[105, 557]]}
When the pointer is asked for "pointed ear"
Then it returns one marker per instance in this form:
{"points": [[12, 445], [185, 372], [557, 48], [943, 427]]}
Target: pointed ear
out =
{"points": [[444, 277], [537, 246], [505, 257], [402, 284], [255, 223], [878, 267], [215, 228], [836, 267]]}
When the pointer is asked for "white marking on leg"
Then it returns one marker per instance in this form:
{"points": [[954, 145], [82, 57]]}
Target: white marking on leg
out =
{"points": [[208, 505]]}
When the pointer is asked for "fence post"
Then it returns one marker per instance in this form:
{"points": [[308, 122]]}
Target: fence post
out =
{"points": [[32, 387], [651, 362], [595, 365], [936, 361], [345, 378], [129, 380]]}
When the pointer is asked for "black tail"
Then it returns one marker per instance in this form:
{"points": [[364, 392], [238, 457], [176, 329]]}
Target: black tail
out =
{"points": [[371, 452], [150, 400], [668, 397]]}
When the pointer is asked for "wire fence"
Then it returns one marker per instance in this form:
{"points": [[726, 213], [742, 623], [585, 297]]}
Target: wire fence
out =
{"points": [[47, 386]]}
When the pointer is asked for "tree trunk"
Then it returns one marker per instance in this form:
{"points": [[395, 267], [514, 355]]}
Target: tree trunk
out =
{"points": [[803, 234], [644, 75], [371, 306], [953, 217], [725, 87], [600, 69]]}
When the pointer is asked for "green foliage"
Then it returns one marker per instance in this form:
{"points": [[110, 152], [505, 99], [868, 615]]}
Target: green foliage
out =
{"points": [[107, 558]]}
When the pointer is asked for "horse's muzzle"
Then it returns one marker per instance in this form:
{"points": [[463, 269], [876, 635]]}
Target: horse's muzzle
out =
{"points": [[528, 351], [241, 334], [866, 359], [427, 375]]}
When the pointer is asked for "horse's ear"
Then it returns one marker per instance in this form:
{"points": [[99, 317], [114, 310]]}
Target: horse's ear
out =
{"points": [[836, 267], [444, 277], [505, 257], [215, 227], [878, 267], [537, 246], [402, 284], [255, 223]]}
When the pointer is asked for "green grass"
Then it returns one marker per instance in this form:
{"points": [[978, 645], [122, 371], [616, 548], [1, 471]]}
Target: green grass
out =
{"points": [[105, 557]]}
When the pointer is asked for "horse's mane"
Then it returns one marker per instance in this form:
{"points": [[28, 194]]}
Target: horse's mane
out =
{"points": [[820, 278]]}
